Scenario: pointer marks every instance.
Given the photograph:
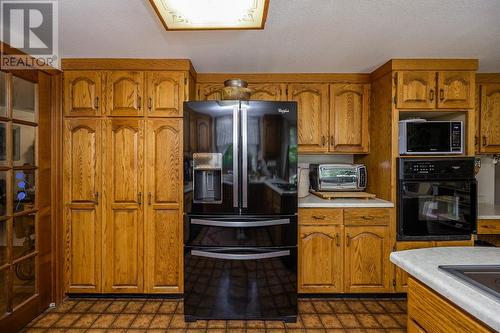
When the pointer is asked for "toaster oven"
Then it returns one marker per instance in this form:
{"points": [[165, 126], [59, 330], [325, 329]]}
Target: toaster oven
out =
{"points": [[337, 177]]}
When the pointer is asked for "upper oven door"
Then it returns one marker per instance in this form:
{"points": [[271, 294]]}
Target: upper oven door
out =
{"points": [[428, 137], [437, 209], [241, 231]]}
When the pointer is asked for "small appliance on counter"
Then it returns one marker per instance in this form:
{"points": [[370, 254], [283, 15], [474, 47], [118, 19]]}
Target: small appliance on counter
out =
{"points": [[423, 137], [437, 199], [337, 177]]}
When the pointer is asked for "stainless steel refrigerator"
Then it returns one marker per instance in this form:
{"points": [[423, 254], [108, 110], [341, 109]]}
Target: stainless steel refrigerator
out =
{"points": [[240, 184]]}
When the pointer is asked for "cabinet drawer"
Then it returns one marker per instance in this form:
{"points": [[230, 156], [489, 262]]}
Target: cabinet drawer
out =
{"points": [[488, 227], [368, 216], [319, 216]]}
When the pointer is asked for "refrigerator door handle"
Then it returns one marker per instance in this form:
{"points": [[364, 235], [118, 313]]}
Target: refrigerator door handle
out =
{"points": [[240, 224], [230, 256], [235, 157], [244, 157]]}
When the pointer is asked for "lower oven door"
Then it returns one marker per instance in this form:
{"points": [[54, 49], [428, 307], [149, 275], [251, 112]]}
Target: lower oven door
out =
{"points": [[240, 283], [437, 210]]}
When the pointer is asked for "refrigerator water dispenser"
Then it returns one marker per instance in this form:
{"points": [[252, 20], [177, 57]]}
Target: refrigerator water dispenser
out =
{"points": [[207, 178]]}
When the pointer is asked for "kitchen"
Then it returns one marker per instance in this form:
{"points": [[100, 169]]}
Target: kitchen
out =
{"points": [[179, 186]]}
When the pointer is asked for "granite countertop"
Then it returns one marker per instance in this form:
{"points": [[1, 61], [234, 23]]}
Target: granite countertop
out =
{"points": [[313, 201], [488, 211], [423, 265]]}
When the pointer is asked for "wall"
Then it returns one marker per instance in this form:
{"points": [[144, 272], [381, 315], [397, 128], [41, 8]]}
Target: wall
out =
{"points": [[488, 189]]}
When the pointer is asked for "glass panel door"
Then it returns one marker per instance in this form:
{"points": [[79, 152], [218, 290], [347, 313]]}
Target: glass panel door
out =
{"points": [[18, 202]]}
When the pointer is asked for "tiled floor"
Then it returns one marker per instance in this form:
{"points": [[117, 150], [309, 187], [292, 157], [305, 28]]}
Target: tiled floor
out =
{"points": [[156, 315]]}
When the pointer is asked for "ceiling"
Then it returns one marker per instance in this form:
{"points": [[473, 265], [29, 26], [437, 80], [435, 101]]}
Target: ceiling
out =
{"points": [[337, 36]]}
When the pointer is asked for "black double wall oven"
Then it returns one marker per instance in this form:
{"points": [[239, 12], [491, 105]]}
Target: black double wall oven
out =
{"points": [[240, 224], [437, 198]]}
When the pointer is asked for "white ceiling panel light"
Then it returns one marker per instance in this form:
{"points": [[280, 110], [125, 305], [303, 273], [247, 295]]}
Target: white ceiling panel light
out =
{"points": [[211, 14]]}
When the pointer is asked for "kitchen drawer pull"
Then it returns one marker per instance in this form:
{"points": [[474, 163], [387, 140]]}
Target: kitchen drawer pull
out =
{"points": [[150, 103], [431, 93], [240, 224], [323, 140], [319, 217], [231, 256], [367, 217], [337, 239], [96, 198], [96, 102], [332, 141], [139, 102], [441, 94], [348, 240], [139, 198]]}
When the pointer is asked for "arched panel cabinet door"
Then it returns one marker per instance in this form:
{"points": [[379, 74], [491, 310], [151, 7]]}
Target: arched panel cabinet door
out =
{"points": [[349, 112], [124, 203], [209, 91], [163, 206], [82, 93], [456, 90], [416, 90], [366, 258], [312, 116], [320, 259], [82, 205], [124, 93], [165, 93], [268, 91], [489, 119]]}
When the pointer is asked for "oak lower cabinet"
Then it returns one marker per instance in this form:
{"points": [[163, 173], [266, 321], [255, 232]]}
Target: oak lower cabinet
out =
{"points": [[163, 230], [366, 259], [320, 259], [82, 191]]}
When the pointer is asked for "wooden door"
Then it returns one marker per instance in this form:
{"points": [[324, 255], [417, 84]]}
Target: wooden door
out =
{"points": [[312, 100], [456, 90], [489, 119], [210, 91], [123, 185], [349, 110], [124, 91], [82, 93], [268, 91], [416, 90], [320, 259], [366, 258], [163, 238], [82, 205], [165, 93], [400, 275]]}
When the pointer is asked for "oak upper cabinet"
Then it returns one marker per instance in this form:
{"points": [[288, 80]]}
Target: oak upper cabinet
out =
{"points": [[366, 259], [455, 90], [320, 259], [82, 207], [82, 93], [489, 118], [312, 100], [268, 92], [349, 110], [124, 93], [416, 90], [123, 200], [209, 91], [163, 229], [165, 93]]}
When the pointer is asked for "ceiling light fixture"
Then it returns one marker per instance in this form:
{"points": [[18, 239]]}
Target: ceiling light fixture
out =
{"points": [[211, 14]]}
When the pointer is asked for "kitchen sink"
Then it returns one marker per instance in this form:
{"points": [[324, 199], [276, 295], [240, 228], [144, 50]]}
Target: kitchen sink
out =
{"points": [[484, 277]]}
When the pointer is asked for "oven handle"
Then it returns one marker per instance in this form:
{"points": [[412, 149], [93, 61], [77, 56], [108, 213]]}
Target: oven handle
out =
{"points": [[231, 256], [240, 224]]}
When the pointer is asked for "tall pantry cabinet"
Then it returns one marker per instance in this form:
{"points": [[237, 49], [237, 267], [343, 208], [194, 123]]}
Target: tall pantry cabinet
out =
{"points": [[123, 180]]}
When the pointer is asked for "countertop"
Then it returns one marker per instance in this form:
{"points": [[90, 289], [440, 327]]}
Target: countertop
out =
{"points": [[313, 201], [423, 265], [488, 211]]}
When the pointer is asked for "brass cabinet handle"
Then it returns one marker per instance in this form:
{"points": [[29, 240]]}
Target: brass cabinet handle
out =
{"points": [[139, 102], [365, 217], [441, 94], [150, 103], [337, 239], [348, 240], [332, 140], [323, 140], [319, 217], [96, 102], [96, 198], [485, 142], [139, 198], [149, 198], [431, 93]]}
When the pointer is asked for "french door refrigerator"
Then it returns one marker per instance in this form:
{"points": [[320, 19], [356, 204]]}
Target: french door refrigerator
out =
{"points": [[240, 210]]}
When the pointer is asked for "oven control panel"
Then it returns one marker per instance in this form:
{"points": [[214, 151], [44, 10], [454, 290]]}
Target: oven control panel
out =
{"points": [[442, 168]]}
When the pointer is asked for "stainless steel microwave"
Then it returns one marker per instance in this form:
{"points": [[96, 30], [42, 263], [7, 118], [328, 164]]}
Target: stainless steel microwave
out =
{"points": [[421, 137]]}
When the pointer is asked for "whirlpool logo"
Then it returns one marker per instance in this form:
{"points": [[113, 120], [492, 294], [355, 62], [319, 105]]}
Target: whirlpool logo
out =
{"points": [[283, 110]]}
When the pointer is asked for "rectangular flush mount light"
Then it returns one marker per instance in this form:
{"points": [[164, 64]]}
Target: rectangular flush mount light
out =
{"points": [[211, 14]]}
